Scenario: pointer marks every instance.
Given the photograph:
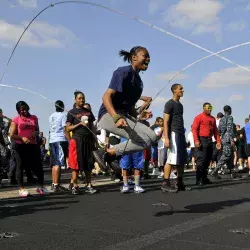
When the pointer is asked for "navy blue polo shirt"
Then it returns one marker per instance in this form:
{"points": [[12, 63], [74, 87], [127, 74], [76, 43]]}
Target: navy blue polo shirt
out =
{"points": [[128, 86]]}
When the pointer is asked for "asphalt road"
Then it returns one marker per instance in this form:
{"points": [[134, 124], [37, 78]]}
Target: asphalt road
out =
{"points": [[204, 218]]}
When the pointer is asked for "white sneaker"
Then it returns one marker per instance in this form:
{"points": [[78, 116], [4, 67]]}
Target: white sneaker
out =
{"points": [[173, 176], [151, 166], [240, 168], [138, 190], [124, 189], [23, 193], [161, 175], [210, 170], [156, 172]]}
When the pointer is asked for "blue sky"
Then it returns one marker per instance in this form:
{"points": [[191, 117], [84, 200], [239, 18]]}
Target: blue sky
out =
{"points": [[75, 46]]}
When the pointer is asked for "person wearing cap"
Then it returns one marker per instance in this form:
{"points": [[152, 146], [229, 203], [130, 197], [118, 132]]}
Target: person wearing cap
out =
{"points": [[227, 133], [4, 143], [203, 129]]}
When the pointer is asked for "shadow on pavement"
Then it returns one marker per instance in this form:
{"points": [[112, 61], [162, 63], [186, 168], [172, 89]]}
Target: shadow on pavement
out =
{"points": [[23, 206], [204, 207]]}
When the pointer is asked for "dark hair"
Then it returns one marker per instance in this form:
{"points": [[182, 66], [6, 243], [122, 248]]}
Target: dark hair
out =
{"points": [[174, 87], [77, 92], [220, 115], [22, 104], [158, 119], [59, 106], [227, 108], [127, 56], [206, 103]]}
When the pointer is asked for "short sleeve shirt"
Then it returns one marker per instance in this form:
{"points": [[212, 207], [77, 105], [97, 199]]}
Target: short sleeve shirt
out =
{"points": [[25, 127], [57, 122], [128, 86], [74, 117], [176, 122]]}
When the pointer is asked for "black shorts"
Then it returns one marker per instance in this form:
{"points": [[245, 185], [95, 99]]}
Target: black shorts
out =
{"points": [[248, 150], [192, 152], [241, 152]]}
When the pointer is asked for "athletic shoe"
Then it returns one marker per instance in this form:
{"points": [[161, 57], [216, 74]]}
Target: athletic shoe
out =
{"points": [[75, 190], [90, 190], [42, 191], [55, 188], [166, 187], [125, 189], [210, 171], [161, 176], [173, 175], [156, 172], [23, 193], [71, 185], [138, 190], [240, 168]]}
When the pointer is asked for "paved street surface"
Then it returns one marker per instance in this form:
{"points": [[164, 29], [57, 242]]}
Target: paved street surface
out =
{"points": [[204, 218]]}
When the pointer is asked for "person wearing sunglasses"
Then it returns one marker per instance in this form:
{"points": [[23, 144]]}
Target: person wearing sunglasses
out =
{"points": [[203, 129]]}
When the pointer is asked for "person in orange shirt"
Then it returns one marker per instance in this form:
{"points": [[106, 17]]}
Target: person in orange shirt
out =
{"points": [[203, 129]]}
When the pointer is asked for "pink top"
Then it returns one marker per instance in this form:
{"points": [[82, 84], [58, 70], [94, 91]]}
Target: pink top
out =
{"points": [[25, 127]]}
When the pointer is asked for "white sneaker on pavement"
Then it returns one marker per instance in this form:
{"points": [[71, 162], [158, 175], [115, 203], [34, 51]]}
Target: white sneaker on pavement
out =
{"points": [[138, 190], [24, 193], [125, 189]]}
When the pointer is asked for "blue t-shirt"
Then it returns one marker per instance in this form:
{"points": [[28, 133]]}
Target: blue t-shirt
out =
{"points": [[247, 132], [57, 122], [128, 86]]}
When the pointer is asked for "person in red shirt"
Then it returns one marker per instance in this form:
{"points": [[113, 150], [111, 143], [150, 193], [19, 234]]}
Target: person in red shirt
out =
{"points": [[203, 129]]}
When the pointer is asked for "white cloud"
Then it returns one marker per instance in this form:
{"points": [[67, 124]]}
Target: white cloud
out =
{"points": [[200, 16], [237, 25], [236, 97], [170, 75], [40, 34], [226, 77], [28, 3]]}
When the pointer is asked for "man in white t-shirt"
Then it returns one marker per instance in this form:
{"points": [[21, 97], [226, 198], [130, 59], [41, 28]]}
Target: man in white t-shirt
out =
{"points": [[58, 141]]}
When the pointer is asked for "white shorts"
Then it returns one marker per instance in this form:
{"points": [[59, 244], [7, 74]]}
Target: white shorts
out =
{"points": [[177, 151]]}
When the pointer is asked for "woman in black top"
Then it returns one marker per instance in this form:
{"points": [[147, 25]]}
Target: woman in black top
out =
{"points": [[80, 122]]}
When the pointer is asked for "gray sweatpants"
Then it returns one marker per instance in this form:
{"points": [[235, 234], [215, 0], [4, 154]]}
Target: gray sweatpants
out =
{"points": [[141, 138]]}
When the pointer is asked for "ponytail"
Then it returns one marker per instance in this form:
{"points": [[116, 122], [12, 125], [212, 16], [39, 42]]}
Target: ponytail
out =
{"points": [[127, 56]]}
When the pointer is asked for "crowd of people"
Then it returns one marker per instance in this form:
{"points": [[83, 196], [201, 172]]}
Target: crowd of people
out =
{"points": [[123, 137]]}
